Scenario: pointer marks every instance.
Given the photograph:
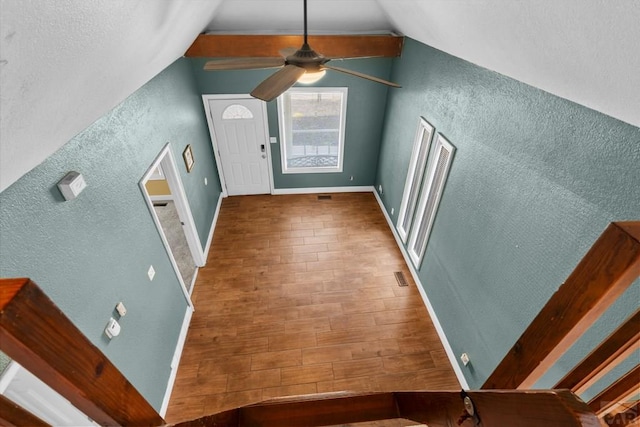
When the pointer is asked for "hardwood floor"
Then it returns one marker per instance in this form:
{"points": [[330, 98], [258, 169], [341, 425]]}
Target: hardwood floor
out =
{"points": [[299, 296]]}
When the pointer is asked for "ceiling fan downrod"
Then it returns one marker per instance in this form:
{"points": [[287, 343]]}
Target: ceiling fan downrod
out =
{"points": [[305, 22]]}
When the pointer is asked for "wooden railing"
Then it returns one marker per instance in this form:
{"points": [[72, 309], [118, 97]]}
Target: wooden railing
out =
{"points": [[607, 270], [435, 409]]}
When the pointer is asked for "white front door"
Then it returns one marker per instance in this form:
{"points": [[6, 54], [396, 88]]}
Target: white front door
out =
{"points": [[241, 139]]}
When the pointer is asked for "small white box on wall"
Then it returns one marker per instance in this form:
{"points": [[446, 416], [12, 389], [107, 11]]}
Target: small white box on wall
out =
{"points": [[71, 185]]}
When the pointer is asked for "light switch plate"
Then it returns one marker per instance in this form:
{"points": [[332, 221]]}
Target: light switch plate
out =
{"points": [[465, 359], [121, 309]]}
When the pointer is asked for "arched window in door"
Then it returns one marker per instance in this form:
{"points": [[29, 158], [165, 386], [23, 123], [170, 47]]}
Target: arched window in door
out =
{"points": [[236, 112]]}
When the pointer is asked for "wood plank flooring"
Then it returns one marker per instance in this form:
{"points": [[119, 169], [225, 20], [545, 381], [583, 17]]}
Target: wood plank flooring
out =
{"points": [[299, 296]]}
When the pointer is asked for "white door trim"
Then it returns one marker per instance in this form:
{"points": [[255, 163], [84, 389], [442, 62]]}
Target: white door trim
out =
{"points": [[37, 397], [214, 142], [184, 212]]}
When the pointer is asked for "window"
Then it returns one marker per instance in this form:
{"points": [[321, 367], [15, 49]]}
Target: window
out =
{"points": [[435, 177], [417, 163], [312, 122], [236, 112]]}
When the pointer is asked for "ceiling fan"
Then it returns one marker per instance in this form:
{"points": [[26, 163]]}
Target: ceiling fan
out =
{"points": [[304, 65]]}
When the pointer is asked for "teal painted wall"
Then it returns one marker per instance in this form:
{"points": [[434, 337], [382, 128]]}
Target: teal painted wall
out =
{"points": [[534, 181], [365, 113], [89, 253]]}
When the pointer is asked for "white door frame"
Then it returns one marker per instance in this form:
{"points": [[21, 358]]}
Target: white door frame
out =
{"points": [[184, 212], [35, 396], [214, 141]]}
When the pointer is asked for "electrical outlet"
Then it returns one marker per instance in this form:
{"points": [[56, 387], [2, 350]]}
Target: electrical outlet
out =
{"points": [[121, 309], [379, 188], [351, 179], [465, 359], [205, 181], [392, 210], [151, 272]]}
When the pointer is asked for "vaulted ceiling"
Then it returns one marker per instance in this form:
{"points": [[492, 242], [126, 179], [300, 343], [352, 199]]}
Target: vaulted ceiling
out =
{"points": [[66, 63]]}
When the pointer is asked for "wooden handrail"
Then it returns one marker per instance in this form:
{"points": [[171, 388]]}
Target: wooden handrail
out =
{"points": [[605, 272], [12, 414], [617, 393], [35, 333], [628, 416], [613, 350], [438, 408]]}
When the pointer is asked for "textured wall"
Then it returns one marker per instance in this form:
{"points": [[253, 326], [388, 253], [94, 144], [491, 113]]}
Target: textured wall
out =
{"points": [[84, 59], [534, 181], [89, 253], [365, 112]]}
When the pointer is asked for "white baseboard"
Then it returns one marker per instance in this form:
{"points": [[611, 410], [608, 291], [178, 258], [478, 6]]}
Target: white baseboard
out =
{"points": [[354, 189], [175, 362], [213, 227], [445, 342]]}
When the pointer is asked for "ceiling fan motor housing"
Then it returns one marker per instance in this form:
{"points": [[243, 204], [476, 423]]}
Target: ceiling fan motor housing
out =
{"points": [[307, 58]]}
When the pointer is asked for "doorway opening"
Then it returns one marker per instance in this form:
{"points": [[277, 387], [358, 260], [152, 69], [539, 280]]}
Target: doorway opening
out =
{"points": [[163, 191]]}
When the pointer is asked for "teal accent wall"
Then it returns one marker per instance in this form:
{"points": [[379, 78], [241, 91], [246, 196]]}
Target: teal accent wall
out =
{"points": [[534, 181], [92, 252], [365, 115]]}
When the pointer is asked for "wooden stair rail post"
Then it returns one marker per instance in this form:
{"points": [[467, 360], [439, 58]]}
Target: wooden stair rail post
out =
{"points": [[36, 334], [605, 272]]}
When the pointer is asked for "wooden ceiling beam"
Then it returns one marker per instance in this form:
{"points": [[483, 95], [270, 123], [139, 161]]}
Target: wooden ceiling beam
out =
{"points": [[332, 46]]}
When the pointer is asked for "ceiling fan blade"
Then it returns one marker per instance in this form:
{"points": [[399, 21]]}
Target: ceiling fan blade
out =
{"points": [[364, 76], [243, 63], [287, 51], [278, 83]]}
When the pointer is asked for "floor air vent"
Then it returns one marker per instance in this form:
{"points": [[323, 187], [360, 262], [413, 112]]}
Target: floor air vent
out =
{"points": [[400, 278], [324, 197]]}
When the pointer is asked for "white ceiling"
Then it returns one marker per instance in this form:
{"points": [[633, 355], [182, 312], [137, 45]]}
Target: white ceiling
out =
{"points": [[66, 63]]}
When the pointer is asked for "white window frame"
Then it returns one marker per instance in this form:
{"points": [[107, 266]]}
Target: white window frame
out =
{"points": [[435, 180], [284, 124], [415, 174]]}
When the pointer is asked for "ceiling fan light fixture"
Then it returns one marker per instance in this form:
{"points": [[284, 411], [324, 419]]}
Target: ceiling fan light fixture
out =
{"points": [[310, 77]]}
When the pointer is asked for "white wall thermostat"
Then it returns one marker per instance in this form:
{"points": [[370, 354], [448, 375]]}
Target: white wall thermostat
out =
{"points": [[112, 329], [71, 185]]}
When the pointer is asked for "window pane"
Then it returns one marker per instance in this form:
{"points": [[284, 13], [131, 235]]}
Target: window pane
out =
{"points": [[311, 121], [417, 164], [236, 112], [436, 175]]}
